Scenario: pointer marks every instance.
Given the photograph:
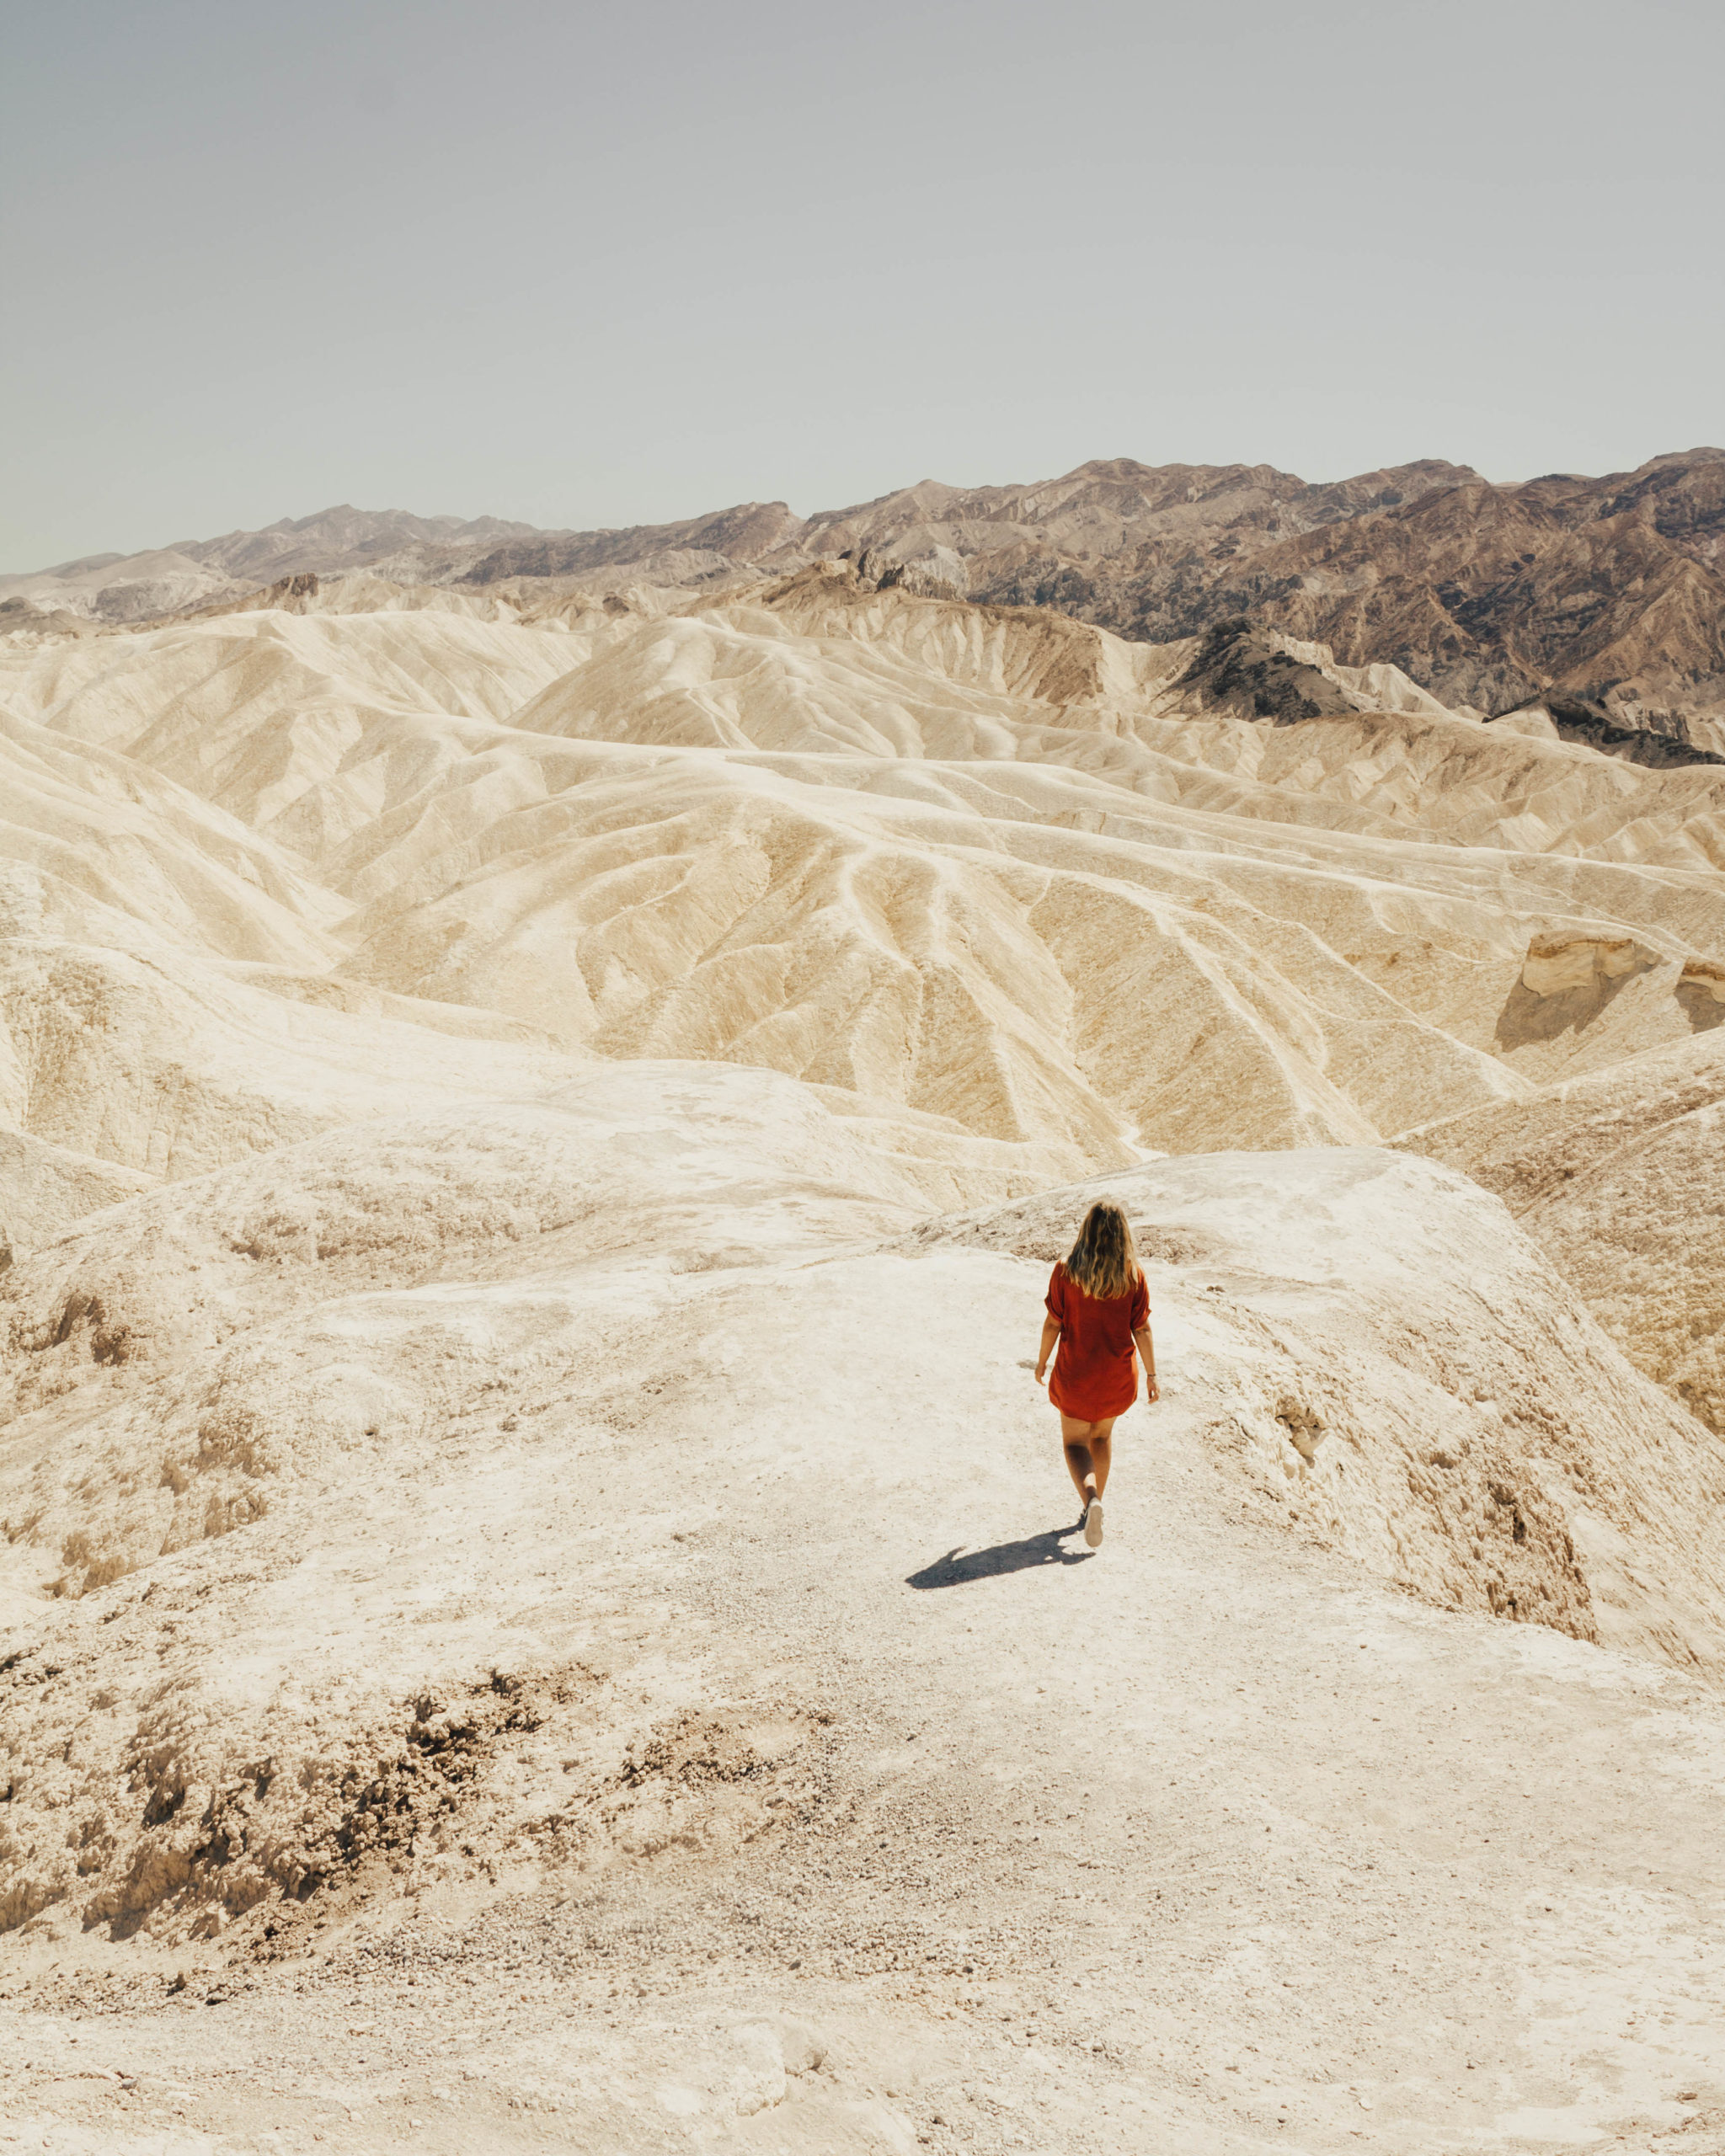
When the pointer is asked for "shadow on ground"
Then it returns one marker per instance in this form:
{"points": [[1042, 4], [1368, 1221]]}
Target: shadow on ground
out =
{"points": [[1526, 1017], [956, 1569], [1699, 1005]]}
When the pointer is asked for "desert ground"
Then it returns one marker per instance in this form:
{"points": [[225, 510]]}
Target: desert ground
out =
{"points": [[540, 1604]]}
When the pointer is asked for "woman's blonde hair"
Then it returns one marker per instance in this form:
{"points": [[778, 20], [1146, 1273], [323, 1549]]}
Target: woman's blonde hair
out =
{"points": [[1103, 1262]]}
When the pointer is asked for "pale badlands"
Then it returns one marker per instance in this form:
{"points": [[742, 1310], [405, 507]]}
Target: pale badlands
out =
{"points": [[540, 1602]]}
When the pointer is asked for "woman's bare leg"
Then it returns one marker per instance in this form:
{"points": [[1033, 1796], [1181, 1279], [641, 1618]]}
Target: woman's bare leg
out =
{"points": [[1102, 1453], [1089, 1451]]}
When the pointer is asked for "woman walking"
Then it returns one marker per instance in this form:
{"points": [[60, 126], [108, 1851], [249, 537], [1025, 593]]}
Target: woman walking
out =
{"points": [[1098, 1308]]}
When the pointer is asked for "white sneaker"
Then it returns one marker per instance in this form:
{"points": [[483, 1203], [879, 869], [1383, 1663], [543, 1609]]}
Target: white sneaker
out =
{"points": [[1092, 1523]]}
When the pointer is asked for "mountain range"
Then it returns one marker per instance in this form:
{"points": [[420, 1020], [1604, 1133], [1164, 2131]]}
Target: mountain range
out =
{"points": [[1601, 600]]}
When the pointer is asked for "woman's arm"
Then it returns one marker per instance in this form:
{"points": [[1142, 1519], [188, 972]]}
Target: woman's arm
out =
{"points": [[1146, 1350], [1050, 1333]]}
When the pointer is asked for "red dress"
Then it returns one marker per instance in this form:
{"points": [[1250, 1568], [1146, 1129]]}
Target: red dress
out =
{"points": [[1094, 1375]]}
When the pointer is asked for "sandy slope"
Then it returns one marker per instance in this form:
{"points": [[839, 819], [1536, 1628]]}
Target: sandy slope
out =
{"points": [[1617, 1176], [529, 1156], [978, 863]]}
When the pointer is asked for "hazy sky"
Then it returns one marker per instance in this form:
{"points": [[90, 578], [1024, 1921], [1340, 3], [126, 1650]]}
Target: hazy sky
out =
{"points": [[609, 265]]}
